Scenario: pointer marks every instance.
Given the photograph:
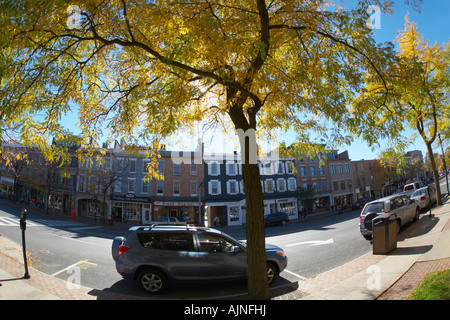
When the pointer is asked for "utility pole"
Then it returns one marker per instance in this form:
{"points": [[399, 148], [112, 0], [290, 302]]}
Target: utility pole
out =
{"points": [[445, 165]]}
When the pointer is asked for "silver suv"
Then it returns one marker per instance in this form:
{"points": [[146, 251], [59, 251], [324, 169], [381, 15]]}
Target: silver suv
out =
{"points": [[155, 255], [400, 204]]}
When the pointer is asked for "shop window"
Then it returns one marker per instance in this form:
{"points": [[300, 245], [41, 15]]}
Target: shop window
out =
{"points": [[288, 208], [234, 214]]}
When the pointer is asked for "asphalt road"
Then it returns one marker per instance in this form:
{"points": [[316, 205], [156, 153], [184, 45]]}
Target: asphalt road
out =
{"points": [[75, 251]]}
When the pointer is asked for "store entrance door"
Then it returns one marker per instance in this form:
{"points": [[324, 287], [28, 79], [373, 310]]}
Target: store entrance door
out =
{"points": [[146, 214]]}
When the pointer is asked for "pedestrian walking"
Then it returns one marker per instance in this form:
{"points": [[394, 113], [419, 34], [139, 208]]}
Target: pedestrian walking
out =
{"points": [[305, 213], [216, 221]]}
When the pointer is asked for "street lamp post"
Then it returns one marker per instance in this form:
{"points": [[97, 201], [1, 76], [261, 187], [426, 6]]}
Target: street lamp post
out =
{"points": [[445, 165]]}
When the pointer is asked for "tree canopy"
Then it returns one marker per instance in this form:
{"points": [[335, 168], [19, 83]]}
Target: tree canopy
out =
{"points": [[413, 94]]}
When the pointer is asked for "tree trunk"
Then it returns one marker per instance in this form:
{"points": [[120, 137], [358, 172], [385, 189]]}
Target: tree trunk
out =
{"points": [[435, 174], [258, 287]]}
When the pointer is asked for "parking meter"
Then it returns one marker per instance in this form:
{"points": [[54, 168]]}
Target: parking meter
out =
{"points": [[23, 226], [23, 219]]}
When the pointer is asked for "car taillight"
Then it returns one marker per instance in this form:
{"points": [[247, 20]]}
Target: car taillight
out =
{"points": [[423, 198], [123, 248]]}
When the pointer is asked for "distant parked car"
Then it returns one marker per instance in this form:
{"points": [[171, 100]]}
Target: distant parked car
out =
{"points": [[400, 204], [425, 197], [361, 203], [277, 218], [411, 187]]}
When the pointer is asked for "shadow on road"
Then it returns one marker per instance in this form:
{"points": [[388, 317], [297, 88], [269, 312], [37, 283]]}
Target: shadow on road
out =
{"points": [[229, 290]]}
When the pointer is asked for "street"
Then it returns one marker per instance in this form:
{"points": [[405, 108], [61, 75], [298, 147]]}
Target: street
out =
{"points": [[59, 247]]}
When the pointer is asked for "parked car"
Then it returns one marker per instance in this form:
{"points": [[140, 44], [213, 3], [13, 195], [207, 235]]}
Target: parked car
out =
{"points": [[411, 187], [400, 204], [425, 197], [159, 254], [277, 218], [361, 203]]}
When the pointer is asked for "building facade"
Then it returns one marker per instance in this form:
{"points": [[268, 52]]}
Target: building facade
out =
{"points": [[121, 190], [225, 194]]}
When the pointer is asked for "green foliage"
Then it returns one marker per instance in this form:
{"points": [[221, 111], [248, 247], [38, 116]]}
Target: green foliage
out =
{"points": [[435, 286]]}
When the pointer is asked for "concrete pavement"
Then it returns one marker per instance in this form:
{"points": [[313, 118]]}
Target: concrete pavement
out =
{"points": [[422, 247]]}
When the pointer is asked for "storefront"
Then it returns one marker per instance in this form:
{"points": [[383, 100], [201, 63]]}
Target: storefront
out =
{"points": [[235, 213], [286, 205], [131, 208], [344, 202], [182, 209]]}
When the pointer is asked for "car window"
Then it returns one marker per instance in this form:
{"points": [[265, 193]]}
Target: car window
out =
{"points": [[374, 207], [212, 243], [409, 187], [396, 203], [167, 241], [406, 200], [418, 193]]}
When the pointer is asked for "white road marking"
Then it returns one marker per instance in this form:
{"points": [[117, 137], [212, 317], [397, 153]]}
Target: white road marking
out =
{"points": [[312, 243], [83, 264], [294, 274]]}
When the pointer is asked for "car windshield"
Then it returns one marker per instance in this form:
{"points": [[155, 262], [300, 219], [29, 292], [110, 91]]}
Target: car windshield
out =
{"points": [[374, 207], [418, 193]]}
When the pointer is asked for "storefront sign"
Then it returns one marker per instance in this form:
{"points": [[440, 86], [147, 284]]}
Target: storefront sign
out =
{"points": [[175, 203], [130, 197]]}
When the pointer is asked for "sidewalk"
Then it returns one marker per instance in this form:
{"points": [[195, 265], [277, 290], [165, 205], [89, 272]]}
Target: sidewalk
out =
{"points": [[423, 247]]}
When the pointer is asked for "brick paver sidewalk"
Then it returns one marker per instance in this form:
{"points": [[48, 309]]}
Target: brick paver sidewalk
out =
{"points": [[412, 278]]}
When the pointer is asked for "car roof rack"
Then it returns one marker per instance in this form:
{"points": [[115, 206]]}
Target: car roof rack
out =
{"points": [[155, 226]]}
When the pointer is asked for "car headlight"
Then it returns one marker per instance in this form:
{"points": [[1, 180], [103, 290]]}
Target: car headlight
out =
{"points": [[281, 253]]}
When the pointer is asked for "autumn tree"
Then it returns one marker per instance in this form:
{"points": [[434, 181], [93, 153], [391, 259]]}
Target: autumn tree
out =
{"points": [[412, 94], [144, 69]]}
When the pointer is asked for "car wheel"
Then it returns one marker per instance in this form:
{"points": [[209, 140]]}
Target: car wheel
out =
{"points": [[399, 223], [417, 215], [152, 280], [272, 272]]}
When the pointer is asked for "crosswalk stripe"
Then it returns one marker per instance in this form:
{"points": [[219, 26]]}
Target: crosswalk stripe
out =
{"points": [[7, 221]]}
